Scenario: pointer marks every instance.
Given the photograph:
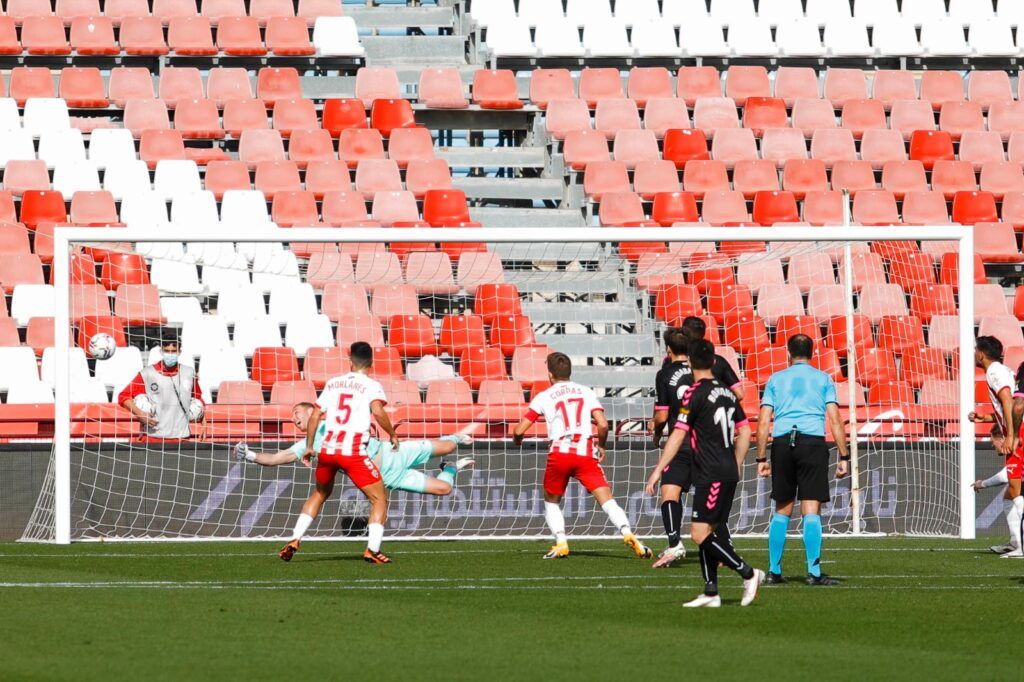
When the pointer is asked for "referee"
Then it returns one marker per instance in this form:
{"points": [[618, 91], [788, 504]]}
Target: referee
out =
{"points": [[801, 399]]}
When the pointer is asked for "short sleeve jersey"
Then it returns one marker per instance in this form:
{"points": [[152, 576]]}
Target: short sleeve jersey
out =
{"points": [[346, 402], [710, 415], [999, 377], [299, 447], [567, 408], [675, 377]]}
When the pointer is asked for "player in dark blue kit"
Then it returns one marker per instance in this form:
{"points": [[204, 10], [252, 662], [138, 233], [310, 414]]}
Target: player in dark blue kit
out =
{"points": [[713, 422]]}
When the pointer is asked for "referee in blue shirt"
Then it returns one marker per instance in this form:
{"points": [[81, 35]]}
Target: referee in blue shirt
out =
{"points": [[802, 399]]}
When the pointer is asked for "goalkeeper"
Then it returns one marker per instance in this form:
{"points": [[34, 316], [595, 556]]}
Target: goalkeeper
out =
{"points": [[397, 467]]}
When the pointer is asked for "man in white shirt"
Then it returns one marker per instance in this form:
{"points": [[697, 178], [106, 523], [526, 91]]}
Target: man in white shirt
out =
{"points": [[348, 403], [571, 412]]}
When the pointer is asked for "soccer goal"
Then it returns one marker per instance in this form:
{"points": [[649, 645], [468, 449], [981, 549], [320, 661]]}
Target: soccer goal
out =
{"points": [[461, 321]]}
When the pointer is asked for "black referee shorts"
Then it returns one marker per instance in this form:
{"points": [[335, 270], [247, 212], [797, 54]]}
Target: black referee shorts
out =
{"points": [[679, 470], [801, 471]]}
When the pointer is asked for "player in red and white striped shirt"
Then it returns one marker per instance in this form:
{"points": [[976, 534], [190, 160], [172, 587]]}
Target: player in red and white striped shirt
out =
{"points": [[572, 412], [349, 403]]}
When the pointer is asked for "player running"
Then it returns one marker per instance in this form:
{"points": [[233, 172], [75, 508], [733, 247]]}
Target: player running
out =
{"points": [[720, 437], [347, 403], [398, 468], [571, 412], [1008, 405], [674, 378]]}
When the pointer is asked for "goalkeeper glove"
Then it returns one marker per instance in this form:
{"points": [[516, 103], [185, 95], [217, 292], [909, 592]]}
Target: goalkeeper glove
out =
{"points": [[242, 453]]}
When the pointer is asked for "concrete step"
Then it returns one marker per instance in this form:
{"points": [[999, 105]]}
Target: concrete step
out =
{"points": [[527, 217], [539, 189], [423, 50], [625, 346], [565, 282], [546, 251], [401, 17], [581, 313], [494, 157]]}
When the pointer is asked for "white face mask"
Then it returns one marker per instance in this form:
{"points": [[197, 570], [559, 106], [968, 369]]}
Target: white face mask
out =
{"points": [[170, 360]]}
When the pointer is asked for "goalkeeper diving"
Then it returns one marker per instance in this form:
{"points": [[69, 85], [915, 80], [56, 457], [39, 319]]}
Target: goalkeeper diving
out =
{"points": [[397, 466]]}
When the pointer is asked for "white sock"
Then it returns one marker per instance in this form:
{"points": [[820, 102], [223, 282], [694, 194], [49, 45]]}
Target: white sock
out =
{"points": [[1015, 518], [556, 522], [376, 532], [301, 526], [1014, 521], [617, 516]]}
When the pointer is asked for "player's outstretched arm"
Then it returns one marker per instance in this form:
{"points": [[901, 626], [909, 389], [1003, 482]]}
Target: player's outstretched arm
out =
{"points": [[384, 421], [267, 459], [672, 445], [311, 428], [764, 428], [835, 423]]}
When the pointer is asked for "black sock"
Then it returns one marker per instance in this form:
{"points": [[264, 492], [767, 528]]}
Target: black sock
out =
{"points": [[722, 531], [723, 552], [709, 569], [672, 517]]}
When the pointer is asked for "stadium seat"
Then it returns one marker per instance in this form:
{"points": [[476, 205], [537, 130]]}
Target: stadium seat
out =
{"points": [[390, 114], [459, 333], [274, 83], [374, 176], [287, 36], [957, 118], [44, 35], [925, 208], [900, 334], [393, 207], [480, 364], [476, 268], [443, 208], [18, 269], [271, 365], [1001, 178], [257, 146], [93, 209], [711, 114], [681, 146], [981, 147], [614, 115], [891, 393], [449, 392], [801, 176], [441, 88], [42, 207], [760, 113], [910, 116], [495, 89], [410, 144], [721, 207], [771, 207], [852, 177], [730, 146], [970, 207], [777, 300], [1005, 118], [9, 43], [700, 177], [355, 145], [995, 242], [146, 114], [30, 82], [509, 332], [930, 300], [547, 85], [902, 177], [567, 115], [82, 87], [412, 335], [21, 176], [244, 114], [788, 326], [294, 114], [860, 115]]}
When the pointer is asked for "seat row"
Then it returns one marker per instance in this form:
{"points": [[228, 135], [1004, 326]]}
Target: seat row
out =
{"points": [[165, 10], [144, 36], [773, 12]]}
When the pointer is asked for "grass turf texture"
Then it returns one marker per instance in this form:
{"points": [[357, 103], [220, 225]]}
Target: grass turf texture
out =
{"points": [[907, 609]]}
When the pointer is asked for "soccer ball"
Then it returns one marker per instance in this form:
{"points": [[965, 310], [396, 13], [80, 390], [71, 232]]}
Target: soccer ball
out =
{"points": [[145, 405], [102, 346], [195, 410]]}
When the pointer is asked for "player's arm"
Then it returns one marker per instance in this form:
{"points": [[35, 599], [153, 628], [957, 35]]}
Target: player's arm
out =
{"points": [[127, 400], [311, 429], [1009, 439], [523, 426], [601, 423], [742, 445], [384, 421], [266, 459], [764, 429], [660, 420], [838, 429], [729, 378], [672, 445]]}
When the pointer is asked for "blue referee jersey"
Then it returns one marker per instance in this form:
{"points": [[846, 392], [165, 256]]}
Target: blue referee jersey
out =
{"points": [[799, 395]]}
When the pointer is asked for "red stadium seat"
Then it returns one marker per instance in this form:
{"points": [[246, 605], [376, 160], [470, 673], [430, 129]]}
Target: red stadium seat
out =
{"points": [[449, 392], [844, 85], [288, 393], [138, 304], [44, 35], [949, 270], [681, 146], [42, 207], [322, 364], [996, 242], [788, 326], [698, 82], [410, 144], [459, 333], [860, 115], [742, 82], [412, 335], [875, 365], [389, 114], [547, 85], [496, 89], [442, 88], [674, 207], [19, 268], [142, 36], [270, 365], [646, 83], [308, 146], [198, 119], [93, 209], [765, 362], [82, 87], [294, 208], [93, 35], [653, 177], [837, 336], [190, 36], [288, 36], [775, 207], [928, 301], [974, 207], [911, 269], [509, 332], [480, 364], [343, 114], [853, 177], [494, 392], [875, 207], [277, 176], [30, 81], [941, 87], [445, 207], [496, 299], [90, 326], [902, 177], [244, 114], [746, 333], [793, 83], [700, 177], [729, 299], [761, 113], [929, 146], [900, 333], [600, 83], [294, 114], [355, 145], [891, 393], [801, 176], [274, 83]]}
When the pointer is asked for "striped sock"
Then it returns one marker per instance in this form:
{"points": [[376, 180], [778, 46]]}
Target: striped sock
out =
{"points": [[777, 541], [448, 475], [812, 543]]}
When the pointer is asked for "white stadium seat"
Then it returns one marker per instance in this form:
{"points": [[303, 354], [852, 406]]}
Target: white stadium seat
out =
{"points": [[727, 11], [143, 207], [177, 276], [824, 11], [292, 301], [337, 37], [29, 393], [213, 253], [511, 38], [240, 303], [581, 12], [168, 250], [490, 12], [536, 12], [32, 300], [225, 364], [78, 367], [655, 39], [200, 335], [799, 38], [896, 38], [195, 211], [10, 116], [944, 37], [749, 37], [303, 333], [848, 38], [1010, 11], [874, 12], [117, 371], [274, 269], [17, 146], [176, 176], [177, 309], [559, 38], [991, 38], [17, 366], [251, 333], [218, 277], [70, 177], [604, 37], [776, 12], [88, 390], [45, 114], [638, 11], [58, 147], [703, 38], [125, 178], [109, 146], [243, 208], [970, 11], [683, 11], [922, 11]]}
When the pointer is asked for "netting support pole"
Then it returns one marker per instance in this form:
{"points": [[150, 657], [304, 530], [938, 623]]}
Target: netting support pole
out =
{"points": [[851, 385], [62, 397], [966, 357]]}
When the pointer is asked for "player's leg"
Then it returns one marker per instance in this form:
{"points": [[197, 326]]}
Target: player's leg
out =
{"points": [[594, 480], [325, 472], [711, 507], [377, 494], [675, 483], [556, 480], [1015, 514], [398, 468], [812, 489], [783, 493], [415, 481]]}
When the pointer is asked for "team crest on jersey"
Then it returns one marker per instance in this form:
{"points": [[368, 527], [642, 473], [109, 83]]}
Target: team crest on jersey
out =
{"points": [[154, 387]]}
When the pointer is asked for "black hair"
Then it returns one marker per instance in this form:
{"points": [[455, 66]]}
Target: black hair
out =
{"points": [[800, 346], [168, 337], [991, 347], [361, 355], [702, 355], [560, 366], [678, 343], [695, 328]]}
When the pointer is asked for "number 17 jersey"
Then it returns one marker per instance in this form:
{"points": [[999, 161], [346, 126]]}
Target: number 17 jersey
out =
{"points": [[345, 402], [567, 408]]}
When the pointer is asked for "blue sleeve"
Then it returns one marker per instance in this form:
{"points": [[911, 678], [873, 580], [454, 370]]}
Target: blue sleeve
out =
{"points": [[830, 392], [768, 399], [299, 449]]}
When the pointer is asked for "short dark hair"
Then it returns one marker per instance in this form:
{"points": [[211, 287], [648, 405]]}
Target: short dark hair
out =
{"points": [[991, 347], [169, 337], [361, 355], [695, 328], [678, 342], [304, 405], [702, 354], [800, 346], [560, 366]]}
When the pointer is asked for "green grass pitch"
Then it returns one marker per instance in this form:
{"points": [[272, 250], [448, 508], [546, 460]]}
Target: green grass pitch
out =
{"points": [[907, 609]]}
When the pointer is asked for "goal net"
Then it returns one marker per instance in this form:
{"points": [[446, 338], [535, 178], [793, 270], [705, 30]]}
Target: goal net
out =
{"points": [[461, 322]]}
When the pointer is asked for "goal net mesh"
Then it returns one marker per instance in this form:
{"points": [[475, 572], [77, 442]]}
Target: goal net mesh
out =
{"points": [[461, 332]]}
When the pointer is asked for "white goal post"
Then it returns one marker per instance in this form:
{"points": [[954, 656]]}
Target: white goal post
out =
{"points": [[953, 449]]}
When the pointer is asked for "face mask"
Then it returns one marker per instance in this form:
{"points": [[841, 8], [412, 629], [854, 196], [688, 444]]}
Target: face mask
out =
{"points": [[170, 360]]}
